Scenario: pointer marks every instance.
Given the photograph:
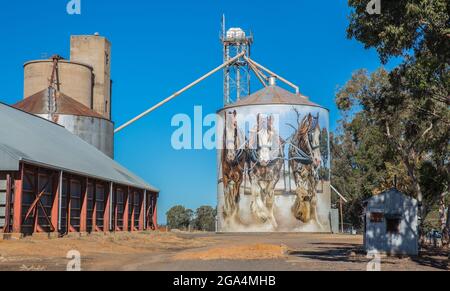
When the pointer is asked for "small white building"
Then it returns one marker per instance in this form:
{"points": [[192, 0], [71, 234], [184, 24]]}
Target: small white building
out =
{"points": [[391, 224]]}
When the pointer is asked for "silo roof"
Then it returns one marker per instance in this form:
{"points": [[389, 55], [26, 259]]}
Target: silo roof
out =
{"points": [[274, 95], [27, 138], [38, 104]]}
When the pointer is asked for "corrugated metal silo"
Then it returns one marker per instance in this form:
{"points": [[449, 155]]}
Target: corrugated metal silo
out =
{"points": [[74, 116], [274, 164]]}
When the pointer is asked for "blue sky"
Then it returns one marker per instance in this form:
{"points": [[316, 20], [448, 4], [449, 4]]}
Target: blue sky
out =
{"points": [[160, 46]]}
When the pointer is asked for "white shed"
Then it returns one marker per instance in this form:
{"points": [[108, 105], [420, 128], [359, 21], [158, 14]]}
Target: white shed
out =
{"points": [[391, 224]]}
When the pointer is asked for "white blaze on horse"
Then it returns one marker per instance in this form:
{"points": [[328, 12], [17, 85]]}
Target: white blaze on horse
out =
{"points": [[305, 161], [265, 158], [233, 165]]}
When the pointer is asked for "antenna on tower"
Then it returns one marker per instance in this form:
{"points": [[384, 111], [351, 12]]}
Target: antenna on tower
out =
{"points": [[223, 26], [236, 79]]}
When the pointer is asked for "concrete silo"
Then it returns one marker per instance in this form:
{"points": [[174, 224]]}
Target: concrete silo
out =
{"points": [[75, 79], [274, 162], [76, 94]]}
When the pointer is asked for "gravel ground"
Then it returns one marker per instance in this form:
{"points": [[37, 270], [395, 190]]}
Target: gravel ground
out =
{"points": [[154, 251]]}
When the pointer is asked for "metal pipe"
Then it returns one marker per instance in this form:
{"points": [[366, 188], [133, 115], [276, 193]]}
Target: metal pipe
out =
{"points": [[339, 194], [297, 89], [180, 92], [257, 73]]}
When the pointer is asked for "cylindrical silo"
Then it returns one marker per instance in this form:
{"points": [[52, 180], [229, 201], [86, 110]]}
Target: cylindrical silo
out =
{"points": [[74, 116], [274, 164], [75, 79]]}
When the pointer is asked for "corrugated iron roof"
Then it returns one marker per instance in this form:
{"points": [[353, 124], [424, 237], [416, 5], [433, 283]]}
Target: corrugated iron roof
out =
{"points": [[38, 104], [28, 138], [273, 95]]}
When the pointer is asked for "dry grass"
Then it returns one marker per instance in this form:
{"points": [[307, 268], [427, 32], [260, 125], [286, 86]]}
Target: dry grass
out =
{"points": [[117, 243], [242, 252]]}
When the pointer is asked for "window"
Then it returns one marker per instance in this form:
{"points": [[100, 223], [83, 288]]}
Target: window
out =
{"points": [[393, 225], [376, 217]]}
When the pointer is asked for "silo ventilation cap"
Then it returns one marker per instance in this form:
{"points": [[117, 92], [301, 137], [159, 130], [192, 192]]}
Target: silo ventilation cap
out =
{"points": [[272, 81]]}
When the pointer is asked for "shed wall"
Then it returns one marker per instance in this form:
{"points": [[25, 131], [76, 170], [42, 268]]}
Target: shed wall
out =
{"points": [[392, 206]]}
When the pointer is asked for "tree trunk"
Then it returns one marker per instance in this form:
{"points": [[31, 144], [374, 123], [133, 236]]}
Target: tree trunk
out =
{"points": [[443, 213], [446, 230], [419, 196]]}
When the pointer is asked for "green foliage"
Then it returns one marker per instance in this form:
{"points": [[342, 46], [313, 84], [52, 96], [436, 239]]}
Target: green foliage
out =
{"points": [[324, 141], [396, 124], [404, 27], [205, 219], [178, 217]]}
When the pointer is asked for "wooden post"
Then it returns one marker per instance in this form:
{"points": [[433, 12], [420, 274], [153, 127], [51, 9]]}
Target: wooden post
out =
{"points": [[18, 193]]}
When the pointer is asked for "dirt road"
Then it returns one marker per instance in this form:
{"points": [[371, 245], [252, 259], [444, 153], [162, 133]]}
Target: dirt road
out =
{"points": [[156, 251]]}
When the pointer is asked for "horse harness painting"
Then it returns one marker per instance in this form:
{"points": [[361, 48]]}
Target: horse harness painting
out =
{"points": [[273, 166]]}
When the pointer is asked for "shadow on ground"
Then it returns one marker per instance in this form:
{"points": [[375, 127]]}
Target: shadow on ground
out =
{"points": [[434, 258], [346, 253]]}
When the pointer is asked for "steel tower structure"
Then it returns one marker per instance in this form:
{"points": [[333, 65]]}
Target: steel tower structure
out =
{"points": [[236, 83]]}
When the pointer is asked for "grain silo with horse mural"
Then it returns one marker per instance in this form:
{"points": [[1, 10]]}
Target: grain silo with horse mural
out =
{"points": [[274, 164]]}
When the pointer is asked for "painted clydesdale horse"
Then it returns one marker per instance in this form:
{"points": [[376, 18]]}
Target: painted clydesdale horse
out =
{"points": [[233, 164], [265, 162], [305, 161]]}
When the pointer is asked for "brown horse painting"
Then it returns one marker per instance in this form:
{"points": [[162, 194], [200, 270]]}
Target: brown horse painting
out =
{"points": [[265, 160], [233, 165], [304, 162]]}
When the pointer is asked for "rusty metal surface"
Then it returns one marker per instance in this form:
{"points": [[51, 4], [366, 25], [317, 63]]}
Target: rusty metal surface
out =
{"points": [[273, 95], [38, 104]]}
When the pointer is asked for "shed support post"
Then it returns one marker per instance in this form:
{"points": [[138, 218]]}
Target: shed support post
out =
{"points": [[70, 227], [56, 205], [142, 212], [7, 227], [107, 223], [132, 197], [18, 191], [36, 194], [84, 204], [94, 206], [126, 211], [155, 211]]}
